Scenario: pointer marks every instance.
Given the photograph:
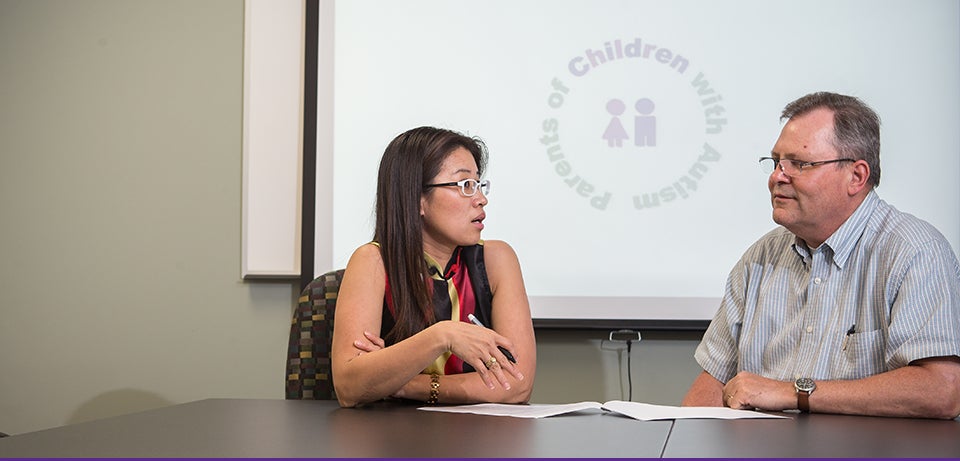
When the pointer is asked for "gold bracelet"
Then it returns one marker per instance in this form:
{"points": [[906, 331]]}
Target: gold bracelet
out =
{"points": [[434, 389]]}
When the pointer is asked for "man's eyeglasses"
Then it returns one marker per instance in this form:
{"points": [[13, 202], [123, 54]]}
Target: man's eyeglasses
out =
{"points": [[468, 187], [792, 167]]}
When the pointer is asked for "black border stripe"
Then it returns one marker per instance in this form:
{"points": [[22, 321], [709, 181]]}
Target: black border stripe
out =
{"points": [[308, 200]]}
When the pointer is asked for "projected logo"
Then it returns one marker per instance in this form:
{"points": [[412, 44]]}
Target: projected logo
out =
{"points": [[633, 125]]}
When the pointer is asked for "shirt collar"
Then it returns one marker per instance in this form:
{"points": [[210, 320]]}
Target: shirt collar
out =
{"points": [[843, 241], [438, 273]]}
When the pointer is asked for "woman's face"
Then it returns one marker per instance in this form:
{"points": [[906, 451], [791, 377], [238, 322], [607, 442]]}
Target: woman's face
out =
{"points": [[451, 219]]}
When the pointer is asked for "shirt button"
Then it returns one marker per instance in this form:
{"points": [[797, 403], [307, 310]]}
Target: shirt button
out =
{"points": [[809, 329], [817, 280]]}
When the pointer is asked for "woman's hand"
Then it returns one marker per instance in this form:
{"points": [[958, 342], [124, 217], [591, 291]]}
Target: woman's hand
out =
{"points": [[477, 346], [473, 344], [369, 343]]}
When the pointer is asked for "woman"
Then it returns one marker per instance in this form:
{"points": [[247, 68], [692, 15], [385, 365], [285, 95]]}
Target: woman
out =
{"points": [[402, 325]]}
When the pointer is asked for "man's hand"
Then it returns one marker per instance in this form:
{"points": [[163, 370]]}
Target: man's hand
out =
{"points": [[748, 391]]}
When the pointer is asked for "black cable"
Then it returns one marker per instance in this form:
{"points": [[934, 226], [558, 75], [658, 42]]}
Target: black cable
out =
{"points": [[629, 375]]}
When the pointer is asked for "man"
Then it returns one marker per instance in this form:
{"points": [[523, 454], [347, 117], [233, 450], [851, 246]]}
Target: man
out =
{"points": [[851, 306]]}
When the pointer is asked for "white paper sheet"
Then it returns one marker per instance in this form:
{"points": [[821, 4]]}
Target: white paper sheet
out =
{"points": [[635, 410]]}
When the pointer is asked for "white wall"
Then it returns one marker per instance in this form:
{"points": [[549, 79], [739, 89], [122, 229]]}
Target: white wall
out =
{"points": [[120, 175], [120, 201]]}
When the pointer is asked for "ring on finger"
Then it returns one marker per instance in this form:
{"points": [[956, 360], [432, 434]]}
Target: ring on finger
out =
{"points": [[490, 363]]}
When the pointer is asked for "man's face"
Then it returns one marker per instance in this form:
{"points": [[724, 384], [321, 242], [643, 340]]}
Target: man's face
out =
{"points": [[814, 203]]}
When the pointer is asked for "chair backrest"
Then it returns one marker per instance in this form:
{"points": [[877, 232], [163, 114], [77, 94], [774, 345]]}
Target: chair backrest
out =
{"points": [[311, 334]]}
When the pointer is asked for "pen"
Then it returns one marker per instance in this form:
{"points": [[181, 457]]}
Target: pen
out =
{"points": [[506, 353], [852, 330]]}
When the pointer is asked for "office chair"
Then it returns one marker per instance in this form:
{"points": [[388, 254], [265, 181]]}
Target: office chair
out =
{"points": [[311, 333]]}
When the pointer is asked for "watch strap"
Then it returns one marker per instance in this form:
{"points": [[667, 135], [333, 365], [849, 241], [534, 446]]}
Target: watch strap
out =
{"points": [[803, 401]]}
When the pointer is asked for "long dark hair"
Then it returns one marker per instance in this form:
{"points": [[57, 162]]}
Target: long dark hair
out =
{"points": [[411, 160]]}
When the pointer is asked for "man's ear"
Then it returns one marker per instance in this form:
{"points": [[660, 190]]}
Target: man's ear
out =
{"points": [[859, 177]]}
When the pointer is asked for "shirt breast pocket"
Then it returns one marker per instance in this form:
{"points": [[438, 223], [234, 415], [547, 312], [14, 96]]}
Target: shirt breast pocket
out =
{"points": [[860, 355]]}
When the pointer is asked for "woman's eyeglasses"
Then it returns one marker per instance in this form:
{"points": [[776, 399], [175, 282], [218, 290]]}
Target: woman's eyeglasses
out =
{"points": [[468, 187]]}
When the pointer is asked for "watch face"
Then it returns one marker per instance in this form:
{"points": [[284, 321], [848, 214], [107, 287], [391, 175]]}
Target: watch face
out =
{"points": [[805, 385]]}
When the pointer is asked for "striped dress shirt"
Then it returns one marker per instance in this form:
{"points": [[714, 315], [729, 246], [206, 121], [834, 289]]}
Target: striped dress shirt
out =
{"points": [[881, 292]]}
